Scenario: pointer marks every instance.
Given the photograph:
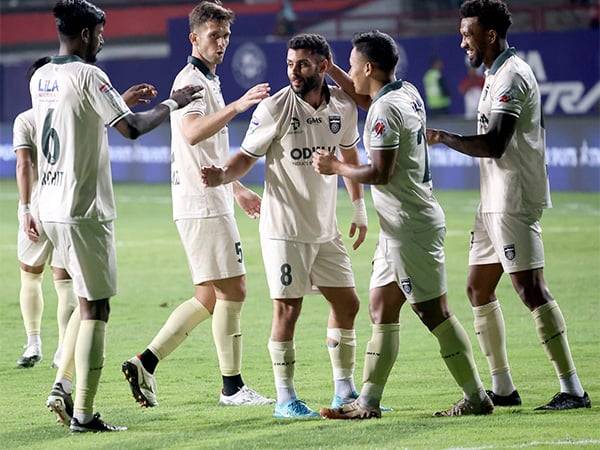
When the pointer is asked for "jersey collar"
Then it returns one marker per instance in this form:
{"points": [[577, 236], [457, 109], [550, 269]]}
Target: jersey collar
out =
{"points": [[501, 59], [64, 59], [394, 85], [199, 64]]}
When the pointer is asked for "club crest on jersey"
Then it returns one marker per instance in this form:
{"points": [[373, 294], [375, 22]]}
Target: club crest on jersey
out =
{"points": [[510, 252], [335, 124], [406, 285]]}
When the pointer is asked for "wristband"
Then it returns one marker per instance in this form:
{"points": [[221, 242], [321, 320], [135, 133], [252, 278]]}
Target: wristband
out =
{"points": [[171, 104], [24, 209], [360, 212]]}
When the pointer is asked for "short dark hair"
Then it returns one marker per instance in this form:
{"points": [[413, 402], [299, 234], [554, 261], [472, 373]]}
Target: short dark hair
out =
{"points": [[491, 14], [314, 42], [379, 48], [210, 10], [73, 16], [36, 65]]}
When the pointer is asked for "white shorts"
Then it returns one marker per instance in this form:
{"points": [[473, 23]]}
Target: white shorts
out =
{"points": [[292, 268], [36, 254], [213, 248], [513, 240], [416, 263], [88, 252]]}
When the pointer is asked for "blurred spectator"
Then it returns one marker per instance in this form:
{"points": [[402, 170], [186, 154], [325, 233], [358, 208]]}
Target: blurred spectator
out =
{"points": [[470, 87], [436, 95], [286, 19]]}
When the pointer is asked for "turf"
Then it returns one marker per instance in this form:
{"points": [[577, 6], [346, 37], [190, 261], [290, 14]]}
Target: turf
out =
{"points": [[153, 279]]}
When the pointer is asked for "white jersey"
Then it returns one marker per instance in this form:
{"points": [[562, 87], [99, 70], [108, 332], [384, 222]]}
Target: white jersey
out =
{"points": [[72, 102], [518, 181], [396, 122], [298, 203], [24, 137], [190, 198]]}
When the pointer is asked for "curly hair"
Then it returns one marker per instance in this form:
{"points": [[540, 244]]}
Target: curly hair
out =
{"points": [[316, 43], [73, 16], [210, 11], [492, 14]]}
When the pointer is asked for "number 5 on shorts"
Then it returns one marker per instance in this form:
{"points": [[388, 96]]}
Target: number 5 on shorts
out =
{"points": [[238, 251], [286, 274]]}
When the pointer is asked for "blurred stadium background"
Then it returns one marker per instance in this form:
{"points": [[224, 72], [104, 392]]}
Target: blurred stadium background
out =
{"points": [[146, 41]]}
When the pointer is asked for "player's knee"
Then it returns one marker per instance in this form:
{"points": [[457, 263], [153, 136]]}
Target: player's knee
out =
{"points": [[286, 312], [533, 295], [477, 295]]}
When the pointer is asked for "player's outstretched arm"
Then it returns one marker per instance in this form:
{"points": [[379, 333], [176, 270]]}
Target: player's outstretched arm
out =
{"points": [[489, 145], [380, 170], [355, 191], [134, 125], [24, 173], [196, 127], [237, 166], [343, 80], [247, 199]]}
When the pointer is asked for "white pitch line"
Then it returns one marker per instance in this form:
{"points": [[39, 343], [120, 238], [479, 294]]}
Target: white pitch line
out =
{"points": [[565, 442]]}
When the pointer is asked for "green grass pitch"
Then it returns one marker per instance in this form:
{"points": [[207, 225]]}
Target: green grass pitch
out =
{"points": [[154, 278]]}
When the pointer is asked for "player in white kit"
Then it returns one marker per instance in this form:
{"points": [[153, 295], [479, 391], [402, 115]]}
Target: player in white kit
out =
{"points": [[507, 236], [73, 101], [300, 242], [204, 217], [409, 260], [33, 247]]}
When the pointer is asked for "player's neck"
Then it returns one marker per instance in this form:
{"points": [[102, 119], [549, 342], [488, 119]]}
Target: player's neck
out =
{"points": [[69, 48], [495, 52], [211, 67], [378, 83], [314, 97]]}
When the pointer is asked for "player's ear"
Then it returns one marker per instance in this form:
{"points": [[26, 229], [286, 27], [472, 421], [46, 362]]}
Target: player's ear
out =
{"points": [[85, 35], [368, 68], [193, 36], [492, 36], [324, 66]]}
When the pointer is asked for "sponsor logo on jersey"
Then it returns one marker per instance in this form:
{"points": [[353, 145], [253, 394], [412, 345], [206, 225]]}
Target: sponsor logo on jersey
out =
{"points": [[303, 156], [294, 126], [254, 124], [314, 120], [505, 98], [47, 85], [483, 121], [406, 285], [335, 124], [379, 128], [485, 92], [510, 252], [105, 88]]}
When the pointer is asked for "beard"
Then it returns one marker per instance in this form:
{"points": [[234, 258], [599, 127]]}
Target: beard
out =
{"points": [[92, 51], [308, 84], [477, 60]]}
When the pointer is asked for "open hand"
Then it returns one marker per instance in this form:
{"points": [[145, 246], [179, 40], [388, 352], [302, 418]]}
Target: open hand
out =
{"points": [[249, 201], [186, 95], [253, 96], [139, 94]]}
